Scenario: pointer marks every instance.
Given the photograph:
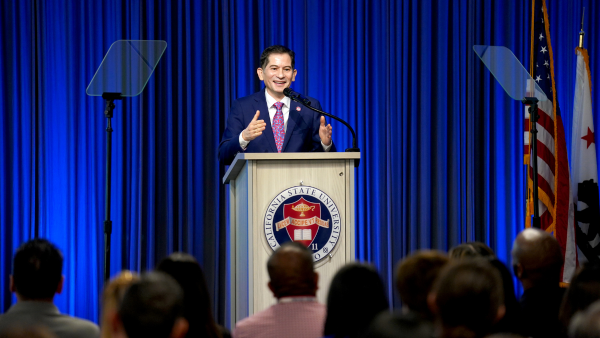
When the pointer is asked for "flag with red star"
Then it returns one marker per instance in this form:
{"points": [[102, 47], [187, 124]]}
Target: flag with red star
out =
{"points": [[583, 164], [555, 200]]}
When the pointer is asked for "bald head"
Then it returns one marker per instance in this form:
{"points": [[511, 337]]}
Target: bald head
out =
{"points": [[536, 258], [291, 271]]}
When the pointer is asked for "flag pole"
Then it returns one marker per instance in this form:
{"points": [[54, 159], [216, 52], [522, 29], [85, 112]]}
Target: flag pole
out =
{"points": [[581, 33]]}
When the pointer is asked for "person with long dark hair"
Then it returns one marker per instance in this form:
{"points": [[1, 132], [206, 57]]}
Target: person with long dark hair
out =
{"points": [[356, 296], [512, 320], [184, 268]]}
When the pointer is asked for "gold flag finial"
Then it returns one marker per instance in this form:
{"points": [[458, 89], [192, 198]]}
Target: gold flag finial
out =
{"points": [[581, 33]]}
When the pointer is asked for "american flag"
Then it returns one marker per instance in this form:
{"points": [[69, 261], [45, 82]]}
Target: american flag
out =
{"points": [[554, 186]]}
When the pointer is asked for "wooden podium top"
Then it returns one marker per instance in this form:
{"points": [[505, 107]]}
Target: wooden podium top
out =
{"points": [[241, 158]]}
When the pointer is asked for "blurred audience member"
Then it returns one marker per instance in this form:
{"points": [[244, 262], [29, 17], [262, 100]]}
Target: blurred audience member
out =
{"points": [[586, 324], [483, 249], [537, 261], [294, 283], [27, 332], [511, 322], [583, 290], [504, 335], [467, 299], [196, 299], [152, 307], [471, 249], [356, 296], [36, 279], [414, 278], [111, 298]]}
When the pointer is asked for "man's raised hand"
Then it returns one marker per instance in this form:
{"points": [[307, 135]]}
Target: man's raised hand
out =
{"points": [[325, 132], [255, 128]]}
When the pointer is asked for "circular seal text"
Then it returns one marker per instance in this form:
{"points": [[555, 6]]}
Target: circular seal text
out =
{"points": [[303, 214]]}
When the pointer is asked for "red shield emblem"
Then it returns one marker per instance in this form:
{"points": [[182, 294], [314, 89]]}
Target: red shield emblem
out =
{"points": [[302, 220]]}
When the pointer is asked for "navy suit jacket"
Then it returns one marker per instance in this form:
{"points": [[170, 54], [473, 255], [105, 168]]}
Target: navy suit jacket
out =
{"points": [[301, 135]]}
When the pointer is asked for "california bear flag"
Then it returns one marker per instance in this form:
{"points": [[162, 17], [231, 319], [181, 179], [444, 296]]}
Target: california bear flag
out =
{"points": [[583, 164]]}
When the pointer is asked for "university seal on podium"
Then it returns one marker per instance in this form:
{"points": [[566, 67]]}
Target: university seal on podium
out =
{"points": [[303, 214]]}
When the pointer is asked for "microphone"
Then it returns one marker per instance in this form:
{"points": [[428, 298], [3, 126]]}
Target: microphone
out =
{"points": [[289, 93], [306, 102]]}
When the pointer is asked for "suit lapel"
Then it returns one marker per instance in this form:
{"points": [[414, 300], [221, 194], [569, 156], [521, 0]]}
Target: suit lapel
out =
{"points": [[260, 104], [291, 123]]}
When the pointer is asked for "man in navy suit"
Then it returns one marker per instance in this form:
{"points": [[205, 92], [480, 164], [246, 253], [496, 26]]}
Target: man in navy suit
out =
{"points": [[268, 121]]}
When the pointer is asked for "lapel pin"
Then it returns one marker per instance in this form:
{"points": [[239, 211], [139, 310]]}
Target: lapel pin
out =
{"points": [[298, 108]]}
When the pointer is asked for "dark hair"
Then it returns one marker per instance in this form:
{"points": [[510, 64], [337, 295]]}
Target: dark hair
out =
{"points": [[415, 276], [511, 322], [483, 249], [151, 306], [37, 269], [276, 49], [197, 305], [468, 296], [471, 249], [291, 270], [583, 290], [356, 296]]}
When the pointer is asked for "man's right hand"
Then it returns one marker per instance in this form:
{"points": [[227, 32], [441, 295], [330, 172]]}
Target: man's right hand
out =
{"points": [[254, 129]]}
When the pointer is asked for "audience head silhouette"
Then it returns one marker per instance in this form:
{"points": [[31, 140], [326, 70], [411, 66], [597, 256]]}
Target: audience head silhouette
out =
{"points": [[471, 249], [152, 307], [356, 296], [414, 278], [111, 298], [586, 324], [37, 271], [536, 258], [291, 271], [467, 298], [184, 268], [583, 290], [36, 279]]}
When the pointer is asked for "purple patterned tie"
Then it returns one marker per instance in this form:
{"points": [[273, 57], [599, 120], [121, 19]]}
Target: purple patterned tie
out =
{"points": [[278, 130]]}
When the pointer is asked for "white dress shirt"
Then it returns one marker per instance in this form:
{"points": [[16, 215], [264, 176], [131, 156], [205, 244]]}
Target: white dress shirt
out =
{"points": [[272, 111]]}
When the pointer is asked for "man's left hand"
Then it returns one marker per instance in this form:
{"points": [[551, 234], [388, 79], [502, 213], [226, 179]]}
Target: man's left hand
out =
{"points": [[325, 132]]}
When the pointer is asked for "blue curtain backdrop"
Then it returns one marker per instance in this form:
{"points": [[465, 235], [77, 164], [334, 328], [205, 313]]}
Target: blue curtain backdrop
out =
{"points": [[442, 144]]}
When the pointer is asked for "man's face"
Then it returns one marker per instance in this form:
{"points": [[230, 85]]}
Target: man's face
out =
{"points": [[278, 74]]}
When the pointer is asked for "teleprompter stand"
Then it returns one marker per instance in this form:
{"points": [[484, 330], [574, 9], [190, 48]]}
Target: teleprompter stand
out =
{"points": [[533, 116], [519, 85], [124, 72], [108, 113]]}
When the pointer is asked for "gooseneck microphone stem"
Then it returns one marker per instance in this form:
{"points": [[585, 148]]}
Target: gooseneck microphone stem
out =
{"points": [[306, 102]]}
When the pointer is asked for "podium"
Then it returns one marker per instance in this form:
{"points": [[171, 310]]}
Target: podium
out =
{"points": [[277, 197]]}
